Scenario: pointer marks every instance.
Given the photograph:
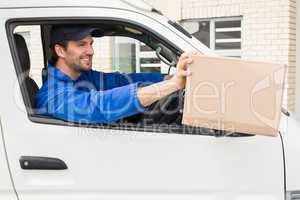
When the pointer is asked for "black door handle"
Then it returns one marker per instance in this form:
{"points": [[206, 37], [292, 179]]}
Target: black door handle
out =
{"points": [[41, 163]]}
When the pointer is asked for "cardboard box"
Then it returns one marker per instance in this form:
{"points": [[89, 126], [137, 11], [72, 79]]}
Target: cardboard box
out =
{"points": [[234, 95]]}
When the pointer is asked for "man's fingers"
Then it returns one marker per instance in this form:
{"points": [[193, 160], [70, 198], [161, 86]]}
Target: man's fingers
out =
{"points": [[185, 73], [192, 53], [183, 69], [186, 61], [187, 54], [183, 56]]}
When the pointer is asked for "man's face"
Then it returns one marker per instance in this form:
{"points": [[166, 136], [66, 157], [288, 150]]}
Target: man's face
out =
{"points": [[79, 54]]}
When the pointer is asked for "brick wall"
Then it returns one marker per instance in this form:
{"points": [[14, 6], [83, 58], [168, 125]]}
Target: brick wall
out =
{"points": [[170, 8], [268, 30], [102, 59], [298, 58]]}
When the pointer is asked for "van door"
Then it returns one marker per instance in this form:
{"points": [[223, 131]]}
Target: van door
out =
{"points": [[108, 164], [6, 187]]}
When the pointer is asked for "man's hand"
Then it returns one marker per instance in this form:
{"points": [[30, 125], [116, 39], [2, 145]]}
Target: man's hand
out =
{"points": [[182, 70], [149, 94]]}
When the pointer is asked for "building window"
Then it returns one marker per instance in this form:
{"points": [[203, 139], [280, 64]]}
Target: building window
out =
{"points": [[131, 55], [147, 60], [224, 35]]}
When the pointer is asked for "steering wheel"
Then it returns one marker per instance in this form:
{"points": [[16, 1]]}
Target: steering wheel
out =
{"points": [[167, 110]]}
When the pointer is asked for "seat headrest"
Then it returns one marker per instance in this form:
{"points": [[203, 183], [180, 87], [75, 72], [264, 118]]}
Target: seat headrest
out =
{"points": [[23, 53]]}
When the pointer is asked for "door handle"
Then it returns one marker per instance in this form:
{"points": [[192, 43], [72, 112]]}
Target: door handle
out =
{"points": [[41, 163]]}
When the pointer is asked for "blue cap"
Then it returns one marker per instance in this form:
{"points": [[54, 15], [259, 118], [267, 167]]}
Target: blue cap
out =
{"points": [[60, 33]]}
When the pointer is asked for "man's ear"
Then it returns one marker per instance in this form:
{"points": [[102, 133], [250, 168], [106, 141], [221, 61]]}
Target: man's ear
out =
{"points": [[60, 51]]}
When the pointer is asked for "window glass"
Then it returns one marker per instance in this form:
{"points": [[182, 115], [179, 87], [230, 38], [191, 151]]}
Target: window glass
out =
{"points": [[228, 24], [227, 35], [102, 54], [32, 36], [200, 30], [204, 33], [111, 53], [124, 54], [227, 45], [222, 34]]}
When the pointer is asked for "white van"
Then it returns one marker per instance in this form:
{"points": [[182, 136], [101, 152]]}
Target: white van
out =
{"points": [[49, 159]]}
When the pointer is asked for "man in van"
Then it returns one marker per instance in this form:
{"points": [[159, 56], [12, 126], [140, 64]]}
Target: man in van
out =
{"points": [[73, 92]]}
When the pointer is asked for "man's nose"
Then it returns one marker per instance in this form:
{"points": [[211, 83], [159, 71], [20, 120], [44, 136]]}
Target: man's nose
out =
{"points": [[90, 50]]}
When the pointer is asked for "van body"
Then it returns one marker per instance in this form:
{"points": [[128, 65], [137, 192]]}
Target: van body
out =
{"points": [[91, 162]]}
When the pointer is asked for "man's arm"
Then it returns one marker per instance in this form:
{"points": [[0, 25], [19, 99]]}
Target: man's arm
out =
{"points": [[167, 77], [150, 94], [91, 106], [116, 79]]}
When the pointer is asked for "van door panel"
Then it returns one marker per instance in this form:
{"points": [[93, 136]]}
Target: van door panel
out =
{"points": [[6, 187]]}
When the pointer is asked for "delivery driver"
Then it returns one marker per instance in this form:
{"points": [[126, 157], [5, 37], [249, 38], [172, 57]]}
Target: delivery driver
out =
{"points": [[73, 92]]}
